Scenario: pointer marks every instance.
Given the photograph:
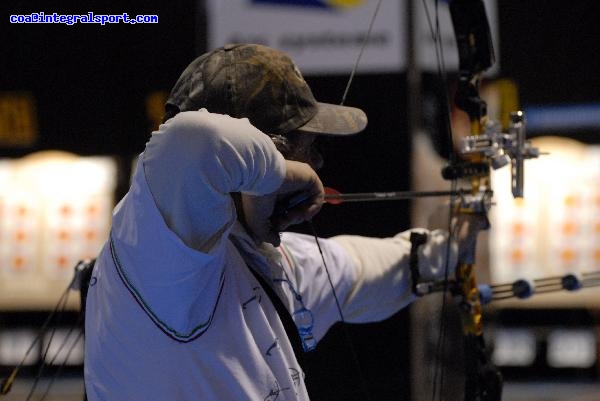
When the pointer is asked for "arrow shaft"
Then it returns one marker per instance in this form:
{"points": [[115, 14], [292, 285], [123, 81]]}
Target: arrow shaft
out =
{"points": [[381, 196]]}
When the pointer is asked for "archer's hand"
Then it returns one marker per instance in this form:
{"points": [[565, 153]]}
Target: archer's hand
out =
{"points": [[298, 199], [464, 227]]}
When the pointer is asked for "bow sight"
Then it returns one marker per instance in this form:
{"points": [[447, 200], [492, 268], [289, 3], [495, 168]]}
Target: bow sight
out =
{"points": [[496, 149]]}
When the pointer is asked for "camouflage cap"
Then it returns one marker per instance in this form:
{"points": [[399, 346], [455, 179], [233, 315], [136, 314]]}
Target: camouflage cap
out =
{"points": [[264, 85]]}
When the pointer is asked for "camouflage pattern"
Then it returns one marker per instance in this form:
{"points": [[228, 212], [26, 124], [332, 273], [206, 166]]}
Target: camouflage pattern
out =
{"points": [[264, 85]]}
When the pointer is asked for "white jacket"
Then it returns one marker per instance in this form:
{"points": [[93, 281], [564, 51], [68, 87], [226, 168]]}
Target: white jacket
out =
{"points": [[173, 312]]}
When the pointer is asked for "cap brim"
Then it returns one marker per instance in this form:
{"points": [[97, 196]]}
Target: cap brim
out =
{"points": [[332, 119]]}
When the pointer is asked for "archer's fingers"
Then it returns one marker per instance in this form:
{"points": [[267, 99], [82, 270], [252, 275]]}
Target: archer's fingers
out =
{"points": [[300, 213]]}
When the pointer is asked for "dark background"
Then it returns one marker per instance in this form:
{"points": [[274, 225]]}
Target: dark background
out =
{"points": [[90, 83]]}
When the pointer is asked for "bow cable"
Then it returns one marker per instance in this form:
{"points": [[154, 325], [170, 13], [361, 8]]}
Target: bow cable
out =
{"points": [[435, 32]]}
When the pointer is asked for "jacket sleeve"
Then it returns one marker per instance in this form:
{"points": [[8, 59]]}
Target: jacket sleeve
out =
{"points": [[383, 281], [196, 160], [371, 276]]}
